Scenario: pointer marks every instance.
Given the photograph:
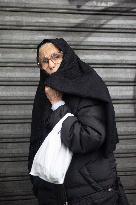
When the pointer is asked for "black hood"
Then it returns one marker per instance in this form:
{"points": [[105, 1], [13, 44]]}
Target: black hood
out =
{"points": [[73, 74], [77, 78]]}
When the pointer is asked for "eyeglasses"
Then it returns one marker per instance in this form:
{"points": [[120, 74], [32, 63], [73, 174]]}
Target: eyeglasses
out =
{"points": [[56, 58]]}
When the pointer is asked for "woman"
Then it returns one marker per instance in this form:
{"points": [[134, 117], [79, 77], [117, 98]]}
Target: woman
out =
{"points": [[67, 84]]}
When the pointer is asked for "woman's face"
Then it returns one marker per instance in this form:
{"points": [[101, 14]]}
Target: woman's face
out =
{"points": [[50, 51]]}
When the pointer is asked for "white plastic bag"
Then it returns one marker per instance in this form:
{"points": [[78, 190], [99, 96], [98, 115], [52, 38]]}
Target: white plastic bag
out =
{"points": [[53, 157]]}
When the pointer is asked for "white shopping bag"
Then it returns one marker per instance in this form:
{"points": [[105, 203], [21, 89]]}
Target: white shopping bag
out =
{"points": [[53, 157]]}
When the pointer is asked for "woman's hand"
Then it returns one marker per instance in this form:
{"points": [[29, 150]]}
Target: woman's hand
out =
{"points": [[53, 95]]}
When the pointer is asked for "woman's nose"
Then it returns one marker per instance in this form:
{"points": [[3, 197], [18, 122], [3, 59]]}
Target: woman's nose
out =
{"points": [[51, 64]]}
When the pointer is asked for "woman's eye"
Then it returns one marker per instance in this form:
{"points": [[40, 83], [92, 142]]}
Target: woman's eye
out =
{"points": [[45, 61], [55, 56]]}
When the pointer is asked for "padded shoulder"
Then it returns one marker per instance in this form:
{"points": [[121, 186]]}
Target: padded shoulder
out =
{"points": [[87, 102]]}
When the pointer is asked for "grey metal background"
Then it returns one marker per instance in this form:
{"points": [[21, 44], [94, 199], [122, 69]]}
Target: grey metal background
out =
{"points": [[103, 34]]}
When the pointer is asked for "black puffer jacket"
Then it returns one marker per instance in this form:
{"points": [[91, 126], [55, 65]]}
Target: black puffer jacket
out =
{"points": [[90, 176]]}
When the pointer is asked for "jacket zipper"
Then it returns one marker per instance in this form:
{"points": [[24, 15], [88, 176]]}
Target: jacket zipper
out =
{"points": [[66, 201]]}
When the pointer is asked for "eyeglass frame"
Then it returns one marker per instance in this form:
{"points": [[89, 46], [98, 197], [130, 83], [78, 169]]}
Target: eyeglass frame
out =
{"points": [[37, 58]]}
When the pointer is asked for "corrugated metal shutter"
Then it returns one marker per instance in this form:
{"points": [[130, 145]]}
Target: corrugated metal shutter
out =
{"points": [[103, 33]]}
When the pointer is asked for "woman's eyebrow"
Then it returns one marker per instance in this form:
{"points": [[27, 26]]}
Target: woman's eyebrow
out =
{"points": [[45, 57]]}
